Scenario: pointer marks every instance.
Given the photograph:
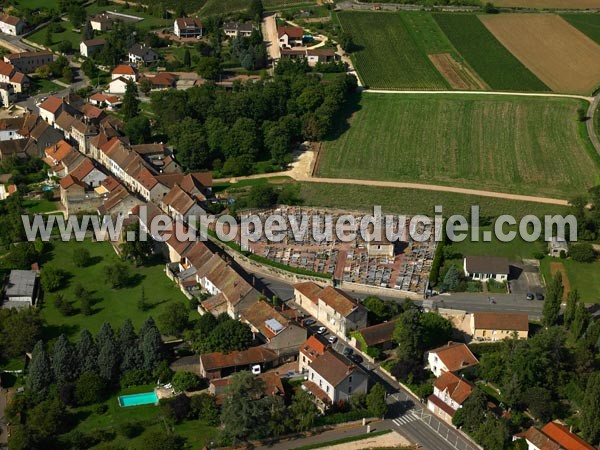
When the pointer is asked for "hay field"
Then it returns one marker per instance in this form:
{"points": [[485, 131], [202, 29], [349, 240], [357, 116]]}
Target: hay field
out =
{"points": [[559, 54], [549, 4], [524, 145], [388, 57]]}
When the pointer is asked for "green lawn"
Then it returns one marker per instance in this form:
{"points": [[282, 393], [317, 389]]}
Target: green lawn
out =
{"points": [[67, 34], [110, 305], [149, 21], [414, 201], [44, 86], [490, 59], [508, 144], [588, 24], [40, 206], [36, 4], [279, 4], [220, 7], [388, 56], [198, 434], [582, 276]]}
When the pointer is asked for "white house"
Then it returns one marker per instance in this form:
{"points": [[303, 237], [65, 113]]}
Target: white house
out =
{"points": [[333, 378], [290, 36], [235, 29], [124, 71], [187, 27], [101, 22], [554, 436], [91, 46], [451, 357], [21, 289], [331, 306], [9, 129], [117, 86], [142, 54], [11, 25], [449, 394], [484, 268], [557, 245], [88, 173], [51, 108]]}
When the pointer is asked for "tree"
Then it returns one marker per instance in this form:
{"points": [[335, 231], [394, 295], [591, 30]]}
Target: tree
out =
{"points": [[174, 319], [472, 414], [492, 434], [81, 257], [52, 279], [176, 408], [159, 440], [436, 330], [554, 295], [590, 409], [142, 302], [187, 58], [131, 104], [408, 335], [108, 353], [572, 301], [228, 336], [117, 274], [204, 407], [64, 360], [209, 67], [88, 31], [66, 47], [39, 377], [582, 252], [137, 247], [89, 388], [580, 321], [43, 72], [48, 37], [77, 14], [376, 401], [151, 346], [540, 403], [87, 352], [255, 10], [451, 279], [138, 129], [146, 85], [63, 305], [20, 330], [186, 381], [47, 419], [126, 337], [302, 411]]}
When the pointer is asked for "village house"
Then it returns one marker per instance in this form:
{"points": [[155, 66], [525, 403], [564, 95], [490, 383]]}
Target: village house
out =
{"points": [[10, 127], [60, 157], [452, 357], [21, 289], [484, 268], [181, 205], [557, 246], [449, 393], [13, 149], [554, 436], [41, 137], [331, 306], [76, 196], [88, 173], [142, 54], [333, 378], [124, 71], [118, 203], [323, 56], [277, 333], [272, 386], [88, 47], [492, 326], [27, 62], [310, 350], [187, 27], [105, 101], [18, 81], [376, 336], [161, 80], [290, 36], [234, 29], [51, 108], [117, 85], [101, 22], [64, 123], [219, 365], [11, 25]]}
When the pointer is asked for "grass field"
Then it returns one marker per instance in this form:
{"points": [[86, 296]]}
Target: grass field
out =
{"points": [[482, 51], [282, 4], [515, 144], [582, 276], [588, 24], [414, 201], [110, 305], [426, 33], [549, 4], [388, 56], [558, 54], [68, 34]]}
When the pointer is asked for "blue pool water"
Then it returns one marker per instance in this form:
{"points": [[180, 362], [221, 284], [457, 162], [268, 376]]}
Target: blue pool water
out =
{"points": [[47, 188], [138, 399]]}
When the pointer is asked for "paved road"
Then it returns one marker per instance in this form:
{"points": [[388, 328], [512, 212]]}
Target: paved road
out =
{"points": [[30, 102]]}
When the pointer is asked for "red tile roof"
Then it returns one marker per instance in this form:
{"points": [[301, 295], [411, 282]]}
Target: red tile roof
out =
{"points": [[83, 169], [259, 313], [6, 69], [457, 388], [69, 181], [440, 404], [293, 32], [309, 290], [378, 334], [313, 348], [11, 20], [52, 104], [91, 111], [339, 300], [501, 321], [315, 390], [567, 440], [123, 69], [455, 356], [59, 150], [333, 368], [254, 355]]}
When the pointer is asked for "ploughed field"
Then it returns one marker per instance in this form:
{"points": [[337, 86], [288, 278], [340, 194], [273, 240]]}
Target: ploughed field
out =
{"points": [[524, 145]]}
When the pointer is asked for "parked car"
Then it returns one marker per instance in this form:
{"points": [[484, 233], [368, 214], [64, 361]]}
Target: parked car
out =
{"points": [[355, 357], [309, 322], [332, 339], [321, 330], [539, 296], [348, 351], [530, 296]]}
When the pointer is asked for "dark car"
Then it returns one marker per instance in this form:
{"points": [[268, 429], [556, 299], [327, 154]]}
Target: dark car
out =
{"points": [[309, 322], [356, 358], [530, 296], [539, 296], [348, 351]]}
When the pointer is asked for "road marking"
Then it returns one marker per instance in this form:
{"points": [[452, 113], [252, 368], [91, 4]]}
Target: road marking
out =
{"points": [[406, 418]]}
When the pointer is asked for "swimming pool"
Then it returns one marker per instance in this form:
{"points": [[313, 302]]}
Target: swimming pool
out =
{"points": [[138, 399]]}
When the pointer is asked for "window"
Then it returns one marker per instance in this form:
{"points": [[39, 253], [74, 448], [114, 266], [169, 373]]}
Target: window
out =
{"points": [[349, 389], [320, 383], [312, 376], [350, 379], [327, 389]]}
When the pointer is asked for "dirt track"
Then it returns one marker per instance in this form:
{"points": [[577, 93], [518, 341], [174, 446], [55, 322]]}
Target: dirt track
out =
{"points": [[559, 54], [549, 4], [559, 267]]}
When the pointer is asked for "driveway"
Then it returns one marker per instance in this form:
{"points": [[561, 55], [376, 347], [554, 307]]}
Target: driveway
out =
{"points": [[525, 277]]}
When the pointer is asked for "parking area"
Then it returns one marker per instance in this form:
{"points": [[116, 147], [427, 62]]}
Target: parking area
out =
{"points": [[525, 277]]}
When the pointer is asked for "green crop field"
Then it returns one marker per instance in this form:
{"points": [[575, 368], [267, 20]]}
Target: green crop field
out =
{"points": [[490, 59], [588, 24], [526, 145], [426, 32], [282, 4], [388, 57], [214, 7]]}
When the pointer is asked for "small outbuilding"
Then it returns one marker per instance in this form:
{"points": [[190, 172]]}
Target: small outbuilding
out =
{"points": [[557, 245], [21, 289]]}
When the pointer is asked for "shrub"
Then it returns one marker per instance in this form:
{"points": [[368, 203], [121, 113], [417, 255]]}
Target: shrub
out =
{"points": [[130, 429], [186, 381], [52, 279], [582, 252], [89, 389], [81, 257], [135, 378]]}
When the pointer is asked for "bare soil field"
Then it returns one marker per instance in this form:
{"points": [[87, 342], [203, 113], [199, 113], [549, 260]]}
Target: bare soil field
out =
{"points": [[458, 77], [549, 4], [560, 55]]}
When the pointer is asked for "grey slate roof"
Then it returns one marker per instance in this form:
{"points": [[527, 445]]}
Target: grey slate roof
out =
{"points": [[21, 283]]}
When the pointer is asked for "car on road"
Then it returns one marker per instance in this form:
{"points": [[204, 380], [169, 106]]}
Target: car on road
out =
{"points": [[530, 296], [321, 330], [309, 322], [356, 358], [332, 339], [348, 351], [539, 296]]}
